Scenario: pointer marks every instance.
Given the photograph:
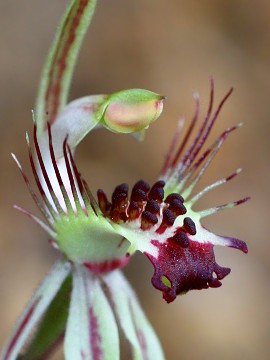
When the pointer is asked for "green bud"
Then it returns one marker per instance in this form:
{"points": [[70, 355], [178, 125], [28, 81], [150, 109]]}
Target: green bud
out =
{"points": [[129, 111]]}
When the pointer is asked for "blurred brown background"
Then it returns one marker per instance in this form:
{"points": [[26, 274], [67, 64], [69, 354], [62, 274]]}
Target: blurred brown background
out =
{"points": [[171, 47]]}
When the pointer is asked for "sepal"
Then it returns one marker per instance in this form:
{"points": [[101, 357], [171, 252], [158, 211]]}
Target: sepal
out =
{"points": [[91, 331], [59, 66], [51, 329], [136, 328], [35, 310]]}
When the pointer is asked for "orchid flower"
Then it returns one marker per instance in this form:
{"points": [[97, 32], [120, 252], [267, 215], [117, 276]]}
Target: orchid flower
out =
{"points": [[85, 297]]}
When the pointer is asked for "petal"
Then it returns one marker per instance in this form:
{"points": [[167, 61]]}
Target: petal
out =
{"points": [[35, 310], [136, 327], [91, 329]]}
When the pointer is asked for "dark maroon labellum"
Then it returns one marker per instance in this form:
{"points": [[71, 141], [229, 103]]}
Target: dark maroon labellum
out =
{"points": [[190, 268]]}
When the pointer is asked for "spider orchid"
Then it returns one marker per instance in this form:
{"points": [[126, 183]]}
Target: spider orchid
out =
{"points": [[97, 238], [85, 299]]}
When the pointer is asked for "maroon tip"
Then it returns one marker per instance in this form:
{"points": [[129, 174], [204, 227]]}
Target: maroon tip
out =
{"points": [[181, 239], [152, 206], [177, 207], [174, 196], [168, 218], [142, 185], [148, 220], [189, 226], [156, 193]]}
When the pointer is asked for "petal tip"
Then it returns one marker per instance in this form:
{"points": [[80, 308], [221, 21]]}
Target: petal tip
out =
{"points": [[238, 244]]}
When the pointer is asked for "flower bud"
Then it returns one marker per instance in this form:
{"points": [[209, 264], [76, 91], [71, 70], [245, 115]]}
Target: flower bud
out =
{"points": [[129, 111]]}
